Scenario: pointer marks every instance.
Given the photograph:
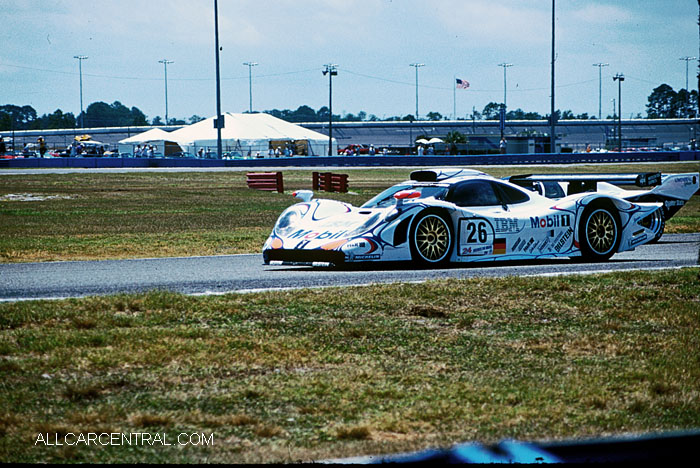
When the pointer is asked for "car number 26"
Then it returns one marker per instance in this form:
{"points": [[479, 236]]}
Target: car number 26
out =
{"points": [[476, 231]]}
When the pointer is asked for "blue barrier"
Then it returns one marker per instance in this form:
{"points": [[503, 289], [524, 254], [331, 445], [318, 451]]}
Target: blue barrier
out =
{"points": [[355, 161]]}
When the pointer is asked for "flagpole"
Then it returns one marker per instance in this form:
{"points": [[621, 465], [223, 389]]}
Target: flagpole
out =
{"points": [[454, 97]]}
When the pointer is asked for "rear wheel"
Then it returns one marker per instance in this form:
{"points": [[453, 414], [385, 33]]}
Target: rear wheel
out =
{"points": [[431, 239], [599, 232], [661, 229]]}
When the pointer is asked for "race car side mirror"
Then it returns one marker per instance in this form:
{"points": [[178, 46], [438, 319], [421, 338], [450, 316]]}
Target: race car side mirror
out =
{"points": [[405, 195], [303, 195]]}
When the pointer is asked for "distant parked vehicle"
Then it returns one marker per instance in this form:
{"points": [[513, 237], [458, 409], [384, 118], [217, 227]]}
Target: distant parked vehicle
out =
{"points": [[181, 154], [354, 149], [64, 153]]}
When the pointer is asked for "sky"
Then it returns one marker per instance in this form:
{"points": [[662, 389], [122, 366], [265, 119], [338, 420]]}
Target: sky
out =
{"points": [[373, 43]]}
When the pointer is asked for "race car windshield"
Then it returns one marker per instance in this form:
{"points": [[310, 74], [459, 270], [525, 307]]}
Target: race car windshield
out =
{"points": [[386, 198]]}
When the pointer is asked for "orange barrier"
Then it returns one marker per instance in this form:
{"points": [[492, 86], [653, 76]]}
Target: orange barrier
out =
{"points": [[329, 182], [270, 181]]}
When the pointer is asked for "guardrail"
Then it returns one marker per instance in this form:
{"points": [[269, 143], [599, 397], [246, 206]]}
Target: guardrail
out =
{"points": [[269, 181], [329, 182], [358, 161]]}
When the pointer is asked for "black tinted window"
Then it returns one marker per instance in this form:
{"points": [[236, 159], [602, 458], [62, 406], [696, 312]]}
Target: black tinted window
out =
{"points": [[474, 193], [511, 195], [553, 190]]}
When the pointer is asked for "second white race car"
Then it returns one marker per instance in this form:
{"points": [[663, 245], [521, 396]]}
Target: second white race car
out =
{"points": [[672, 190]]}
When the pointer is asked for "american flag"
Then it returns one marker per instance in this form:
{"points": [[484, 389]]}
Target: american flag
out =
{"points": [[462, 84]]}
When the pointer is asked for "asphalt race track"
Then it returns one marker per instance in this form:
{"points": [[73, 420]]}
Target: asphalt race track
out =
{"points": [[245, 273]]}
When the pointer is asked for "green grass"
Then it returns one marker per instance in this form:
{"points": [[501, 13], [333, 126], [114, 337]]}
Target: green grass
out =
{"points": [[107, 216], [315, 374]]}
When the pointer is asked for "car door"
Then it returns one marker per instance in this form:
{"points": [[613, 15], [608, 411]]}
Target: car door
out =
{"points": [[482, 216], [544, 229]]}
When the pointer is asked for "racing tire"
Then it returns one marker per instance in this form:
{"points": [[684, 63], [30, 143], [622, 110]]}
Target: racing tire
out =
{"points": [[599, 232], [431, 239]]}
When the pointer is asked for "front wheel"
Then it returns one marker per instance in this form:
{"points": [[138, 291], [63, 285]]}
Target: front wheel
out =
{"points": [[431, 239], [599, 233]]}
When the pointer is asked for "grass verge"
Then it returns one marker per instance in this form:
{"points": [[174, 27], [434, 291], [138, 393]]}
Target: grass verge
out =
{"points": [[46, 217], [315, 374]]}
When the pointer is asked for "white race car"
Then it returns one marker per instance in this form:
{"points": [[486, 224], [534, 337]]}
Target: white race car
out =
{"points": [[673, 190], [459, 215]]}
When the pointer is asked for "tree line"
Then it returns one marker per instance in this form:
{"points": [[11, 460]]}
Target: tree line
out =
{"points": [[663, 103]]}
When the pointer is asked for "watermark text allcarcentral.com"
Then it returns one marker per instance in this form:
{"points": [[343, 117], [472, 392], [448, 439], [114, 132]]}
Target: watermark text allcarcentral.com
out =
{"points": [[124, 438]]}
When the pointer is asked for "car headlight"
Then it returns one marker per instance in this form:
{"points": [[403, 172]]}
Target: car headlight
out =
{"points": [[287, 221]]}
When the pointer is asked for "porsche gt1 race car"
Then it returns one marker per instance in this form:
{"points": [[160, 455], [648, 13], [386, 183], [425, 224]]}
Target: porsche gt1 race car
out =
{"points": [[460, 215], [673, 190]]}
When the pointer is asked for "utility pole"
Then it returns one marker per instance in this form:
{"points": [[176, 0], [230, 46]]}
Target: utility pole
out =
{"points": [[250, 83], [219, 122], [165, 63], [331, 70], [552, 117], [80, 67], [600, 88], [417, 66], [619, 78]]}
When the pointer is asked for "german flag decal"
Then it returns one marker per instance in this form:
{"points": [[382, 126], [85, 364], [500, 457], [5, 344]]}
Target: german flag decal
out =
{"points": [[499, 246]]}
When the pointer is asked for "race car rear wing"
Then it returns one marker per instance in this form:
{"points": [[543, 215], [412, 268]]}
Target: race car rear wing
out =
{"points": [[578, 183]]}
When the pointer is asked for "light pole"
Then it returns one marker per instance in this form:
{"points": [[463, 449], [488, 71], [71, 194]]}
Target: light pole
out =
{"points": [[250, 66], [80, 67], [687, 59], [600, 87], [505, 93], [552, 117], [165, 63], [619, 78], [614, 116], [331, 70], [417, 66], [219, 122], [505, 66]]}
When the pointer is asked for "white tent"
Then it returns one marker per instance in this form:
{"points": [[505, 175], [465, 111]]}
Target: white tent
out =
{"points": [[245, 134], [161, 139]]}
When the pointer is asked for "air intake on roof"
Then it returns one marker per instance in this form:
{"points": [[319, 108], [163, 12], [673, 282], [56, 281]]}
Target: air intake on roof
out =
{"points": [[424, 176]]}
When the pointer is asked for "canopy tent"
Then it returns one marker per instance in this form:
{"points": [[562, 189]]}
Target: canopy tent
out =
{"points": [[161, 139], [251, 134], [432, 141]]}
